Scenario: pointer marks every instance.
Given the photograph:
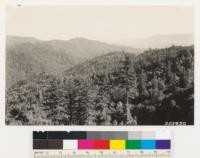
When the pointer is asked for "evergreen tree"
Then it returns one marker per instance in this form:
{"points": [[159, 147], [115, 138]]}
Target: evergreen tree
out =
{"points": [[76, 109], [50, 99], [125, 79]]}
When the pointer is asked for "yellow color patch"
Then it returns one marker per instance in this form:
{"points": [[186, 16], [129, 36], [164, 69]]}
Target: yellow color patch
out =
{"points": [[117, 144]]}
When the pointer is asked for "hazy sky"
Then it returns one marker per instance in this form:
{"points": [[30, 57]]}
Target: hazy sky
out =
{"points": [[98, 22]]}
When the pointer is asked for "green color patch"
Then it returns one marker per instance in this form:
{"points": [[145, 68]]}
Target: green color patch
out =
{"points": [[133, 144]]}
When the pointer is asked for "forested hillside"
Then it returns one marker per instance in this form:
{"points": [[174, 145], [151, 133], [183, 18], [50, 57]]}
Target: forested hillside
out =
{"points": [[118, 88], [27, 57]]}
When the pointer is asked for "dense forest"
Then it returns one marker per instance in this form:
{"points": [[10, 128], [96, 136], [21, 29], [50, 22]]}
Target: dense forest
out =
{"points": [[117, 88], [29, 56]]}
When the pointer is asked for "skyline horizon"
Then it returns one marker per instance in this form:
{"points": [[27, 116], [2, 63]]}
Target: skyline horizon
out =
{"points": [[76, 37], [104, 23], [154, 41]]}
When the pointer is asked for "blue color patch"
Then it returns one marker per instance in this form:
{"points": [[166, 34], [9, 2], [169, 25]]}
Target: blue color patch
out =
{"points": [[148, 144]]}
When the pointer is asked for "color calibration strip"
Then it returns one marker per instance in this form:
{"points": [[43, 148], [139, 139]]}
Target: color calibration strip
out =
{"points": [[95, 140]]}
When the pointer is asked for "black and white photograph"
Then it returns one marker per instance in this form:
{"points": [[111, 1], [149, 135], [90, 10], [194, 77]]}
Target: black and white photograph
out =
{"points": [[101, 65]]}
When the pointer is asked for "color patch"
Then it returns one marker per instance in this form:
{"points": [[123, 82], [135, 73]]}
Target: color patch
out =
{"points": [[95, 135], [101, 144], [117, 144], [85, 144], [67, 135], [137, 135], [163, 135], [40, 135], [133, 144], [40, 144], [70, 144], [148, 135], [55, 144], [163, 144], [148, 144]]}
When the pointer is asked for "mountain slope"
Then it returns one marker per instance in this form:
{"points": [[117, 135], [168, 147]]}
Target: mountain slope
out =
{"points": [[119, 88], [26, 57], [102, 64], [85, 48], [15, 40]]}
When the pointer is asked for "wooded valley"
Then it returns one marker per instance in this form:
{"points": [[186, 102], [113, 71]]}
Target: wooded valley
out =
{"points": [[155, 87]]}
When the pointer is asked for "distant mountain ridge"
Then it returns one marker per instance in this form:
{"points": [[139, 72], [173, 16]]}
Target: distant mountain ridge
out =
{"points": [[85, 48], [160, 41], [15, 40], [27, 56]]}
